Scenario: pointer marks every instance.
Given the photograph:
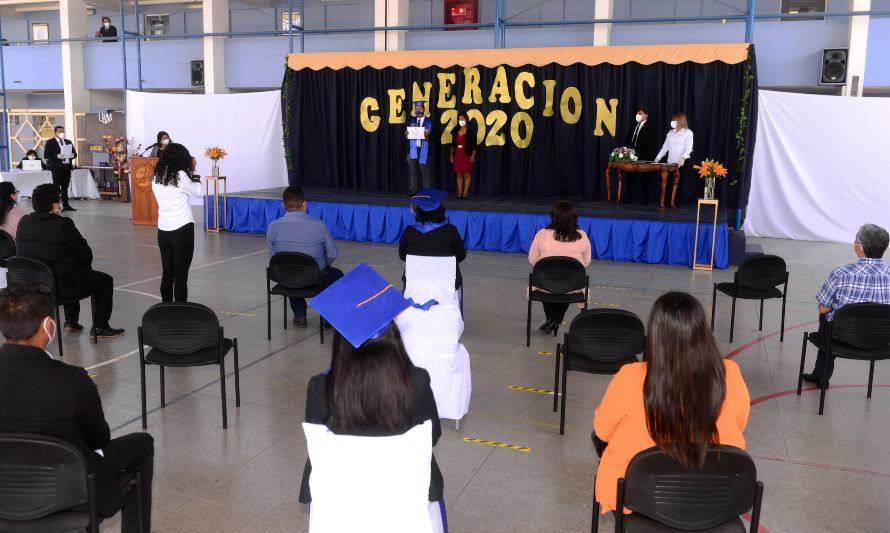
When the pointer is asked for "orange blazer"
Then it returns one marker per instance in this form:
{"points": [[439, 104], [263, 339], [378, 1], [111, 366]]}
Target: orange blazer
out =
{"points": [[620, 420]]}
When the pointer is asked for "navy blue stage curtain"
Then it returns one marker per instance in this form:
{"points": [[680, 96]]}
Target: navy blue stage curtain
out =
{"points": [[640, 241], [554, 137]]}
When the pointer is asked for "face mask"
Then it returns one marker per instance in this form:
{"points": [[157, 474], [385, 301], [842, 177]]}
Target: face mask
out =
{"points": [[462, 123], [106, 24], [32, 157], [165, 141], [46, 330], [674, 124], [61, 135], [418, 113], [639, 118]]}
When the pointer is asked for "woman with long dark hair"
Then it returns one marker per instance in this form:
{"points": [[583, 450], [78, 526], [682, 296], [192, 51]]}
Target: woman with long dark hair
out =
{"points": [[684, 398], [372, 389], [163, 141], [174, 183], [562, 237], [10, 214]]}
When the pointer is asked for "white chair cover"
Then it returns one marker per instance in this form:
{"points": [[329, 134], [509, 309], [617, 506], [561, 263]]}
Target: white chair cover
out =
{"points": [[370, 484], [2, 278], [431, 273]]}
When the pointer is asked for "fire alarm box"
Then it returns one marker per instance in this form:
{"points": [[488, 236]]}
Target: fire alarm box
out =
{"points": [[460, 12]]}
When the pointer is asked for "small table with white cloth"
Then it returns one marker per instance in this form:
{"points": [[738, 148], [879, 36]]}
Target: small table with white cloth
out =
{"points": [[82, 183]]}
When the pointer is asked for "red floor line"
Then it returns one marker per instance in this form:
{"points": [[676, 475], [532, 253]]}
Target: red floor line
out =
{"points": [[760, 528], [762, 338], [822, 466], [774, 395]]}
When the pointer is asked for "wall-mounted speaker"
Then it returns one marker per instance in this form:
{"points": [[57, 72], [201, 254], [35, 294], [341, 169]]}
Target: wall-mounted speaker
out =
{"points": [[197, 73], [834, 66]]}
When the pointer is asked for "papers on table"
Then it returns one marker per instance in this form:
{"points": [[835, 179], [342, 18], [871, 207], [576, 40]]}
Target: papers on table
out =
{"points": [[416, 133]]}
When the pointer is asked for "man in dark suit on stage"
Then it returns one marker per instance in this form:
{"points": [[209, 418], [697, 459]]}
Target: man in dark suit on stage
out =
{"points": [[643, 138], [60, 165], [41, 395]]}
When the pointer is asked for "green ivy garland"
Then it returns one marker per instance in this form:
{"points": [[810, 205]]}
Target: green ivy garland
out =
{"points": [[741, 145], [285, 108]]}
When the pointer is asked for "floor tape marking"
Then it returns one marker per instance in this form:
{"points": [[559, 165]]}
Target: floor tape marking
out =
{"points": [[496, 444]]}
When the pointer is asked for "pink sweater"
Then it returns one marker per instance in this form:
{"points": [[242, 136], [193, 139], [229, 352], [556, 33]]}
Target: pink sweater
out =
{"points": [[545, 245], [12, 221]]}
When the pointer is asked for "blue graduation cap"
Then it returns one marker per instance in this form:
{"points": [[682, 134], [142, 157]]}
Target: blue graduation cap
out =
{"points": [[428, 199], [360, 305]]}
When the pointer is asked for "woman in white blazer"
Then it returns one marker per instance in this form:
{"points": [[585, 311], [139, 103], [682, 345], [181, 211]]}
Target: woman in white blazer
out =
{"points": [[678, 143]]}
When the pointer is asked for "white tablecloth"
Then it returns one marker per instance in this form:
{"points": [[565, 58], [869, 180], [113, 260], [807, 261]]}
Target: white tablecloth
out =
{"points": [[83, 185], [26, 181]]}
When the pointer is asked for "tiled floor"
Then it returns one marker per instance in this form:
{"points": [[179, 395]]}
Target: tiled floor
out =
{"points": [[828, 473]]}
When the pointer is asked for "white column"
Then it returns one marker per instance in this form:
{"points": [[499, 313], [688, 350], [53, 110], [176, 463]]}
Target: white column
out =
{"points": [[858, 46], [390, 13], [602, 33], [216, 20], [73, 19]]}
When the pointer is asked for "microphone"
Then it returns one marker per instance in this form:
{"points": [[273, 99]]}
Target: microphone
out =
{"points": [[147, 148]]}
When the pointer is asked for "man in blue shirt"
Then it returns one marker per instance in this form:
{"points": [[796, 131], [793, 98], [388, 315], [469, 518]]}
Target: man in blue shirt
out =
{"points": [[866, 280], [296, 231]]}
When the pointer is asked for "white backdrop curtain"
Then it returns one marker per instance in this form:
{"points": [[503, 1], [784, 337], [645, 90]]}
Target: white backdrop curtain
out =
{"points": [[246, 125], [820, 167]]}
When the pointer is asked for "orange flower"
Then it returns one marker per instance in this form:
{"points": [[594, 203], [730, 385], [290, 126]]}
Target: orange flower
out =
{"points": [[215, 153], [711, 169]]}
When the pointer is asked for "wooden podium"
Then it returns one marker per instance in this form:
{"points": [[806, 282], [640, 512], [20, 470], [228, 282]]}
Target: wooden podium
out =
{"points": [[143, 203]]}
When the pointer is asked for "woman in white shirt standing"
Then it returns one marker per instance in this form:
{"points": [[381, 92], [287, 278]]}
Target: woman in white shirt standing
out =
{"points": [[172, 186], [678, 143]]}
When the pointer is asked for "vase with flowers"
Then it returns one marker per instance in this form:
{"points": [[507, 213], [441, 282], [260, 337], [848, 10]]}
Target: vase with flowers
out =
{"points": [[215, 153], [710, 171], [623, 155]]}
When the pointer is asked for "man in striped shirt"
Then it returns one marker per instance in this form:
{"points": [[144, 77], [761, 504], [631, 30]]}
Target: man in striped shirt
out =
{"points": [[866, 280]]}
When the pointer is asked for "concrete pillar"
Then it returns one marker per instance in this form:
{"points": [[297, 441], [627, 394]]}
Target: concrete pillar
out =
{"points": [[602, 33], [73, 19], [390, 13], [216, 20], [858, 46]]}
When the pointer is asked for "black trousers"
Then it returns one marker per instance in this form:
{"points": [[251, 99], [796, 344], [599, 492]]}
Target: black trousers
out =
{"points": [[329, 276], [420, 175], [177, 248], [822, 358], [62, 178], [101, 286], [555, 312]]}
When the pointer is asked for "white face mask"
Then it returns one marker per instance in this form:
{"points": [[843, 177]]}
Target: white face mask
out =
{"points": [[639, 118], [46, 330], [165, 141], [106, 24], [61, 135], [673, 124], [462, 123], [32, 157]]}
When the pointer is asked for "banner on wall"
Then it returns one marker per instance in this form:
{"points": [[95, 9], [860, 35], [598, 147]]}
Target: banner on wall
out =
{"points": [[545, 120]]}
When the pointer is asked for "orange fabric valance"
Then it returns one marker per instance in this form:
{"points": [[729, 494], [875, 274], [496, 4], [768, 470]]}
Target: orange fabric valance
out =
{"points": [[588, 55]]}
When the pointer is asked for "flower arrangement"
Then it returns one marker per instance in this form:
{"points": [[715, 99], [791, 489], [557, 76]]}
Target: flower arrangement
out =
{"points": [[623, 154], [120, 150], [215, 153], [710, 170]]}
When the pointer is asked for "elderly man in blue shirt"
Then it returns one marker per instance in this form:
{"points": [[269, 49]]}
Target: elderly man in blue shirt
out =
{"points": [[296, 231], [866, 280]]}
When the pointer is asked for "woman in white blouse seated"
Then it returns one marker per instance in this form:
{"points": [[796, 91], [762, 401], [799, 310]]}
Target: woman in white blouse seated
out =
{"points": [[174, 183], [678, 143]]}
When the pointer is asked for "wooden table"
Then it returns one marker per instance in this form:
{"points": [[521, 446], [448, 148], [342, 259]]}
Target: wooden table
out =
{"points": [[640, 166]]}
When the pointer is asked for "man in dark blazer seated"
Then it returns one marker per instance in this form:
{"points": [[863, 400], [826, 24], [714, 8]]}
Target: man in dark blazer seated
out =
{"points": [[643, 138], [53, 239], [41, 395], [59, 165]]}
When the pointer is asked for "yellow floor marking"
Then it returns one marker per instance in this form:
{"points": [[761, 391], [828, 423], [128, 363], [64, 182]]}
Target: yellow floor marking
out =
{"points": [[519, 388], [515, 420], [496, 444], [546, 354], [234, 313], [603, 304]]}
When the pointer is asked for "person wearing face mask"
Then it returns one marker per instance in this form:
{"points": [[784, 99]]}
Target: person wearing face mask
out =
{"points": [[419, 150], [678, 145], [41, 395], [162, 143], [31, 155], [107, 31], [463, 155], [54, 239], [59, 164], [642, 138], [10, 215]]}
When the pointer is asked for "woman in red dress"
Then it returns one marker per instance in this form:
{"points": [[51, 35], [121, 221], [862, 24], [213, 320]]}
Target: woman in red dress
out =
{"points": [[463, 154]]}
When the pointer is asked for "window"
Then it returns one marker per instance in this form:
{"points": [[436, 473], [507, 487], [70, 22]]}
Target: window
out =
{"points": [[803, 6], [293, 17], [40, 31], [157, 24]]}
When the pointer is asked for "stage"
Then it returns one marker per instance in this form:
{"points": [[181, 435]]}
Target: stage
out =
{"points": [[644, 234]]}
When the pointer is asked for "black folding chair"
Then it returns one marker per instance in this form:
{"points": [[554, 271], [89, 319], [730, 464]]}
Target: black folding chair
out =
{"points": [[662, 492], [599, 341], [757, 278], [857, 331], [7, 247], [27, 269], [295, 275], [184, 334], [556, 280], [41, 479]]}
